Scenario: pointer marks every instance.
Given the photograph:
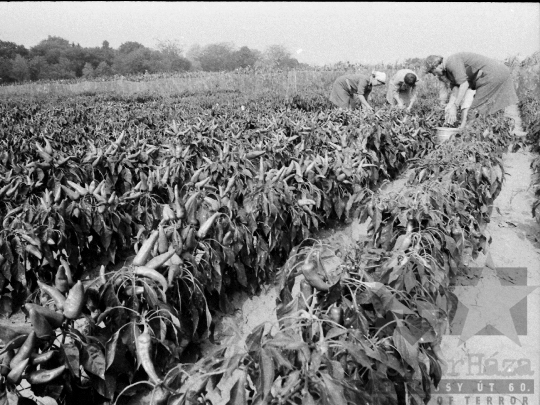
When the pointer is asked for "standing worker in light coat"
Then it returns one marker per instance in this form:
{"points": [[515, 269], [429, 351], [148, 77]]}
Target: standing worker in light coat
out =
{"points": [[347, 86], [491, 79], [402, 89]]}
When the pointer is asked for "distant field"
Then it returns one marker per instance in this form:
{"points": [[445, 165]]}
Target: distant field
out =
{"points": [[292, 82], [527, 79]]}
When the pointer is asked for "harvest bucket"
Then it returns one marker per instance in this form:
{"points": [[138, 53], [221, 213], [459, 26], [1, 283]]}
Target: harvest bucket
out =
{"points": [[444, 134]]}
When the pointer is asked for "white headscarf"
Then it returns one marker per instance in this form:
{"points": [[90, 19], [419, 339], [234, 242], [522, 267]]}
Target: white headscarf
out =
{"points": [[380, 76]]}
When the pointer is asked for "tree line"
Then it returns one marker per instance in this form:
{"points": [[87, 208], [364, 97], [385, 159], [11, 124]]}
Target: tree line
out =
{"points": [[56, 58]]}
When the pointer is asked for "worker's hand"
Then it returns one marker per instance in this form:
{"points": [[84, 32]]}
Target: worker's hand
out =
{"points": [[450, 114], [408, 109], [368, 108]]}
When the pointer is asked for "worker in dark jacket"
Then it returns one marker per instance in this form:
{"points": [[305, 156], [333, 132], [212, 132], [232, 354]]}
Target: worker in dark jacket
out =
{"points": [[346, 87], [491, 79]]}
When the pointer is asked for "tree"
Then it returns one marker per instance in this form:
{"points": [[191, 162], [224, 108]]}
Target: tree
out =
{"points": [[5, 70], [170, 47], [57, 58], [278, 57], [52, 49], [133, 57], [79, 57], [217, 57], [36, 65], [276, 54], [171, 57], [56, 71], [20, 70], [130, 46], [174, 64], [138, 61], [88, 70], [193, 56], [102, 70], [291, 63], [10, 50], [102, 54], [245, 57]]}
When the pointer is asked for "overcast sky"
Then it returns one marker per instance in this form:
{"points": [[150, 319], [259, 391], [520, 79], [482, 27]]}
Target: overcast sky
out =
{"points": [[316, 33]]}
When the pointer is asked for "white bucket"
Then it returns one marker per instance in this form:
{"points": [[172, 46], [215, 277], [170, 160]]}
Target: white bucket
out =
{"points": [[444, 134]]}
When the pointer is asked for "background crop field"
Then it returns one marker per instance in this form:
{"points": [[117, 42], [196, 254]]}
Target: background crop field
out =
{"points": [[286, 83]]}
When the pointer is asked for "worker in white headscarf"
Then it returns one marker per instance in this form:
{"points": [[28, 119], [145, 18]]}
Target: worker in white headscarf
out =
{"points": [[491, 79], [346, 87], [402, 89]]}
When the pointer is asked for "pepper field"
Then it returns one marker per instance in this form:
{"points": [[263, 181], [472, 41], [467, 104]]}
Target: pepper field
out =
{"points": [[129, 220]]}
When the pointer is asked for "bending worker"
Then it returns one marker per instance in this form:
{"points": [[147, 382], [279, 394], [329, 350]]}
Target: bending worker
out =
{"points": [[466, 103], [347, 86], [491, 79], [402, 89]]}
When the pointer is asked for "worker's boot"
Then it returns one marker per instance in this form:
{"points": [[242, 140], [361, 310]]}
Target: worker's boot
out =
{"points": [[512, 111]]}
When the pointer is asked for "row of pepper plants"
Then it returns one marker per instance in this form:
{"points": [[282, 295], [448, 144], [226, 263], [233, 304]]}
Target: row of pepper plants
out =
{"points": [[532, 124], [209, 206], [370, 334]]}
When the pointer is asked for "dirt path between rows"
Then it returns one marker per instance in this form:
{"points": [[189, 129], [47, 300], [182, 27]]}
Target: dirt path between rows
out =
{"points": [[251, 312], [493, 356]]}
